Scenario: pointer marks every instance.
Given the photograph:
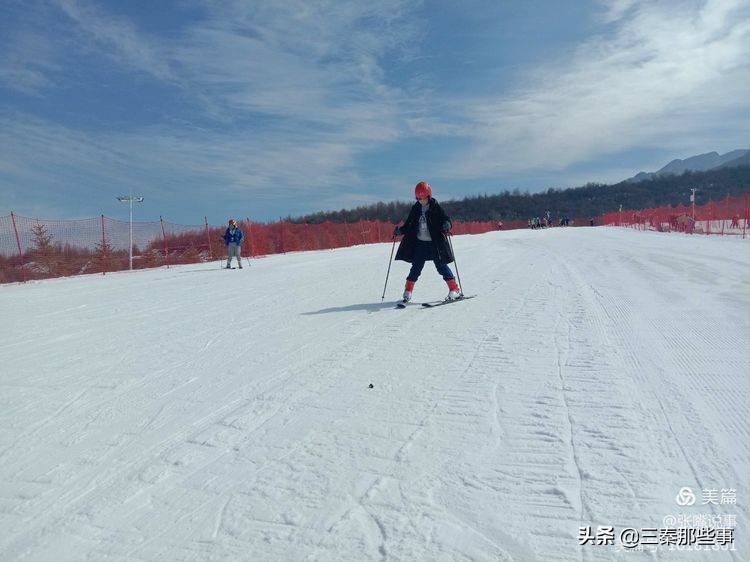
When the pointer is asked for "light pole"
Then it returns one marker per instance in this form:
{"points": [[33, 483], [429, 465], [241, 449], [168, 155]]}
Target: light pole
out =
{"points": [[130, 199]]}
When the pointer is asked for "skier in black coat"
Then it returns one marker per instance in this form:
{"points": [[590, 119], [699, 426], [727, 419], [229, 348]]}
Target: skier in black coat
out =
{"points": [[426, 238]]}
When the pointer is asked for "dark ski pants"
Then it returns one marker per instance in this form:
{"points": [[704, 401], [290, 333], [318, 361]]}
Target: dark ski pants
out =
{"points": [[423, 251]]}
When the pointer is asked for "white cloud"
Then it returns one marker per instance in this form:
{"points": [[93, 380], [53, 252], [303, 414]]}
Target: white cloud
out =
{"points": [[664, 71], [313, 62], [119, 37], [159, 161], [614, 10], [300, 88], [288, 97], [27, 60]]}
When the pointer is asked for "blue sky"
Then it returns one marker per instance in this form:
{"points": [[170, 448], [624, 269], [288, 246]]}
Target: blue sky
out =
{"points": [[268, 109]]}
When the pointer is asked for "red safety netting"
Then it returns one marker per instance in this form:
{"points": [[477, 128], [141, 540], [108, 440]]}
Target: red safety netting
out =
{"points": [[728, 217], [40, 248]]}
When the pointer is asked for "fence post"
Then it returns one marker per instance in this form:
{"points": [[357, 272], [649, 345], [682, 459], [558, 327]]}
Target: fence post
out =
{"points": [[164, 236], [104, 250], [725, 215], [208, 239], [20, 252], [249, 237]]}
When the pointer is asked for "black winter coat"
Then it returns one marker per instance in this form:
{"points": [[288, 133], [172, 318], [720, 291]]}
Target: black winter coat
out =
{"points": [[436, 217]]}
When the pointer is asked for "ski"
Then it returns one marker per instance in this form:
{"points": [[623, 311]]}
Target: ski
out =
{"points": [[441, 303]]}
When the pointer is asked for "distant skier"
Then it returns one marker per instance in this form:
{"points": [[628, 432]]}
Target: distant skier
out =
{"points": [[425, 239], [233, 240]]}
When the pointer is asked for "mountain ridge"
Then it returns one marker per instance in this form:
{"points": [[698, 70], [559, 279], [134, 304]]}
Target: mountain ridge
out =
{"points": [[699, 163], [590, 200]]}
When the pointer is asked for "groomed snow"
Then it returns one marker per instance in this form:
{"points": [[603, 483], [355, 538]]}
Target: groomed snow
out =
{"points": [[195, 413]]}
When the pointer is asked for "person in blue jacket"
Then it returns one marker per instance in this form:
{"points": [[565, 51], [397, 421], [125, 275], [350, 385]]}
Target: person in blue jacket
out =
{"points": [[233, 240]]}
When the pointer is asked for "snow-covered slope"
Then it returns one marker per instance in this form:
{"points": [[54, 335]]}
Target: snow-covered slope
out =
{"points": [[202, 414]]}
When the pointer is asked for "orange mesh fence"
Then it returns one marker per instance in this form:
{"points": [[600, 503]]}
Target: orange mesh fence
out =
{"points": [[728, 217], [40, 248], [43, 248]]}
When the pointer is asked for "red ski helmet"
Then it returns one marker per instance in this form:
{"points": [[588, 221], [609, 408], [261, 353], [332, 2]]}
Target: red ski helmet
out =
{"points": [[423, 190]]}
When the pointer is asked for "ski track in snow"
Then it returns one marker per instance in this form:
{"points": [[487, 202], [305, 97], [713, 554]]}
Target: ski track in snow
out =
{"points": [[202, 414]]}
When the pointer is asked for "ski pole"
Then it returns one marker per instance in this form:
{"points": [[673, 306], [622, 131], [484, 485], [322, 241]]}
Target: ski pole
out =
{"points": [[455, 261], [389, 268]]}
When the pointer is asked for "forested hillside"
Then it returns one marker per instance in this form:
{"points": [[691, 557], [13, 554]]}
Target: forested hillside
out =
{"points": [[580, 202]]}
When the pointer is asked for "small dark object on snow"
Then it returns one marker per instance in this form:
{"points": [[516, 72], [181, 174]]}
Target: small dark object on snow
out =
{"points": [[370, 386]]}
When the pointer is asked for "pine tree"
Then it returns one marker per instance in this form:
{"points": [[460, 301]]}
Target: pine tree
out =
{"points": [[44, 252], [104, 256], [151, 257]]}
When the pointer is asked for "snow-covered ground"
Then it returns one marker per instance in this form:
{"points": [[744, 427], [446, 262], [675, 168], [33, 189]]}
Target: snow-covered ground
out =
{"points": [[202, 414]]}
